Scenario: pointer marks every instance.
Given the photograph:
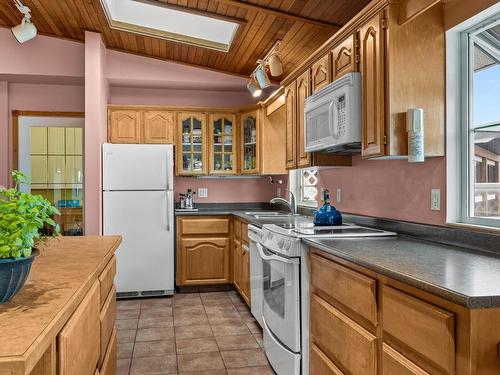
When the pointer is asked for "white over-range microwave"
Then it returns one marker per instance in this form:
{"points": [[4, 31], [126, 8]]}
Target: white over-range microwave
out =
{"points": [[333, 117]]}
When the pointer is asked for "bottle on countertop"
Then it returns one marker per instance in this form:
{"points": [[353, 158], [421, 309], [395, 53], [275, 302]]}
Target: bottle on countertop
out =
{"points": [[327, 214]]}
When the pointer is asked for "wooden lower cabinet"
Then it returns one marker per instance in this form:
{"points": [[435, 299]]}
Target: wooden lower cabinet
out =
{"points": [[109, 366], [237, 265], [362, 322], [245, 274], [203, 250], [79, 340]]}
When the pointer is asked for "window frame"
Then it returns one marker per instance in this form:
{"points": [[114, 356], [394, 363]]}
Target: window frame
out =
{"points": [[467, 196], [296, 186]]}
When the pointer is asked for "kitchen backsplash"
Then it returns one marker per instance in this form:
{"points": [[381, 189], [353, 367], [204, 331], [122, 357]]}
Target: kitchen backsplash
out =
{"points": [[229, 190]]}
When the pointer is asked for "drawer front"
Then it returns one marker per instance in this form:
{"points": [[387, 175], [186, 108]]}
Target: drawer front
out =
{"points": [[79, 340], [109, 365], [394, 363], [107, 279], [352, 289], [237, 229], [342, 339], [424, 328], [107, 319], [244, 232], [205, 226], [319, 364]]}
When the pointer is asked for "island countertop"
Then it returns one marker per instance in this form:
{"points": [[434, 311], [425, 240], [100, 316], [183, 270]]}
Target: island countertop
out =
{"points": [[59, 279]]}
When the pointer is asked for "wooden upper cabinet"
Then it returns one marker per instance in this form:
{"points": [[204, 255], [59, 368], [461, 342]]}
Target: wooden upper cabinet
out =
{"points": [[191, 143], [371, 66], [125, 126], [321, 73], [159, 127], [290, 118], [303, 91], [222, 144], [249, 141], [344, 58]]}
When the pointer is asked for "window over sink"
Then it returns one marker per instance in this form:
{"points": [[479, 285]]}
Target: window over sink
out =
{"points": [[303, 184]]}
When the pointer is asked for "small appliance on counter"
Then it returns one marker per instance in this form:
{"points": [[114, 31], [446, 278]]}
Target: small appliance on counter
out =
{"points": [[327, 214], [186, 202]]}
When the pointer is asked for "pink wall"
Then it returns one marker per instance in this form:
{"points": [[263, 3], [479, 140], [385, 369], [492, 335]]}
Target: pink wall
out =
{"points": [[42, 56], [229, 190], [392, 189], [176, 97], [96, 119]]}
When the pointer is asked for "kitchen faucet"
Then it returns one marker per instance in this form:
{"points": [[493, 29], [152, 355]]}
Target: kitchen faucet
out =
{"points": [[292, 205]]}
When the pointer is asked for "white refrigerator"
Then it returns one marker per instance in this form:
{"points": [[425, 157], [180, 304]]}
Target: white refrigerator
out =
{"points": [[138, 204]]}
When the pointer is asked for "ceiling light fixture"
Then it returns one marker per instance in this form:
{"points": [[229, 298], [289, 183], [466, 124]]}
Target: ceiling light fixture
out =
{"points": [[26, 30], [262, 77], [254, 88], [275, 65]]}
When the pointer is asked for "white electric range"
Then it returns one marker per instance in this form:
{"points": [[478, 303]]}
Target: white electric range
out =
{"points": [[279, 268]]}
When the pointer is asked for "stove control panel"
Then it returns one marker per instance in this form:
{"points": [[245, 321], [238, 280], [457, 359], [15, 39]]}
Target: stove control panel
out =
{"points": [[280, 243]]}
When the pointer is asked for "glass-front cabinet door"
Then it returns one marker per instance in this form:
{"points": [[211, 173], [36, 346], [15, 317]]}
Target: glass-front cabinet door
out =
{"points": [[249, 143], [191, 152], [222, 149]]}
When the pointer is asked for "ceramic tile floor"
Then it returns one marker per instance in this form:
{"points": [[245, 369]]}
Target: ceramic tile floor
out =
{"points": [[189, 334]]}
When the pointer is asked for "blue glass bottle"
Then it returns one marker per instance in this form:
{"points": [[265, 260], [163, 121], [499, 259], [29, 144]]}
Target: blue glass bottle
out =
{"points": [[327, 214]]}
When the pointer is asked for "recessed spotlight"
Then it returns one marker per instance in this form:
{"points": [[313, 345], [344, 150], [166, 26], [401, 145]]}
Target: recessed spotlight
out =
{"points": [[26, 30]]}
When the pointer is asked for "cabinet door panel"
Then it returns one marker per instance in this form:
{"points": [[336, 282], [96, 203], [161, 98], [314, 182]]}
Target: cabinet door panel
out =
{"points": [[107, 322], [396, 364], [344, 58], [245, 274], [320, 364], [290, 121], [205, 261], [222, 144], [237, 265], [159, 127], [425, 328], [79, 340], [341, 339], [191, 152], [372, 70], [39, 173], [303, 157], [249, 139], [321, 73], [125, 126]]}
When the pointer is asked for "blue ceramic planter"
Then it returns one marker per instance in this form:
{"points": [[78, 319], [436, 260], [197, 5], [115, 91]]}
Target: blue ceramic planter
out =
{"points": [[13, 274]]}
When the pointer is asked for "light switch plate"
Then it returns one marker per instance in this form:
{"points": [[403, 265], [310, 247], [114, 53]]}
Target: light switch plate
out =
{"points": [[339, 195], [436, 199], [202, 193]]}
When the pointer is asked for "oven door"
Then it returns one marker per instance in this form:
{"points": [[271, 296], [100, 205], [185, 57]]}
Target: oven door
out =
{"points": [[281, 307]]}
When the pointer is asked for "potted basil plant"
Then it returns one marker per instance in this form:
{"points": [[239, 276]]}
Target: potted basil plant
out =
{"points": [[25, 221]]}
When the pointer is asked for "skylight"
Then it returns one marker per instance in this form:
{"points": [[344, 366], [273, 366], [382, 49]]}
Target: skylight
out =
{"points": [[160, 20]]}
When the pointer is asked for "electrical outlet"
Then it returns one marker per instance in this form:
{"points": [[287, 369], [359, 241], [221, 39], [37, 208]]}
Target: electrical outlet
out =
{"points": [[436, 199], [339, 195], [202, 193]]}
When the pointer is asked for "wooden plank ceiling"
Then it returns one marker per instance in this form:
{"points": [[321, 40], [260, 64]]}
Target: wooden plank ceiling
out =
{"points": [[293, 21]]}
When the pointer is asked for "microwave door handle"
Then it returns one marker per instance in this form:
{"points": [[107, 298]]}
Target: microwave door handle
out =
{"points": [[275, 257], [332, 114]]}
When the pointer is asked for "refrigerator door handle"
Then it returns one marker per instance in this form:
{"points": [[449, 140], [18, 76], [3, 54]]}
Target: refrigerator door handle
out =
{"points": [[168, 170], [168, 214]]}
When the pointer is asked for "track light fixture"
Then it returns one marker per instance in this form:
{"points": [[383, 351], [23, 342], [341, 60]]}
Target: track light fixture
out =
{"points": [[26, 30], [259, 78], [254, 88]]}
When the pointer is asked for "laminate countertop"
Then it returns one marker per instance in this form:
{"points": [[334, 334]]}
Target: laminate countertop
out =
{"points": [[59, 279], [468, 278]]}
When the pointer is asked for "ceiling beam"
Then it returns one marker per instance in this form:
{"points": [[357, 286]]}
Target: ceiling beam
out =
{"points": [[279, 13]]}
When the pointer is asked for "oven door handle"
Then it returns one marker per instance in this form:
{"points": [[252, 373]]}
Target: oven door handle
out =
{"points": [[277, 258]]}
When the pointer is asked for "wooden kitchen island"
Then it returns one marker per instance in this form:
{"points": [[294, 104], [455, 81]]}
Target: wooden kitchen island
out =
{"points": [[62, 320]]}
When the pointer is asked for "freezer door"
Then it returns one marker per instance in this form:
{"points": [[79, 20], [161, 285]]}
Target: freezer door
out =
{"points": [[137, 167], [144, 219]]}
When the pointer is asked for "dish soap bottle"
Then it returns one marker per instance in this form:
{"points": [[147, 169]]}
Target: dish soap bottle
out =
{"points": [[327, 214]]}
